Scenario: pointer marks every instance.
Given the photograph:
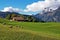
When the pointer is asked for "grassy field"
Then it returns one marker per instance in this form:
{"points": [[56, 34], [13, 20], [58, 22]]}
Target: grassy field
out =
{"points": [[29, 30]]}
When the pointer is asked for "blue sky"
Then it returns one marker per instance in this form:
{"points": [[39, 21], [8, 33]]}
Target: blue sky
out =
{"points": [[28, 6], [16, 3], [21, 4]]}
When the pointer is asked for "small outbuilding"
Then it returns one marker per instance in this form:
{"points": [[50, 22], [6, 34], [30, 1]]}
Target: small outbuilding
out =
{"points": [[18, 19]]}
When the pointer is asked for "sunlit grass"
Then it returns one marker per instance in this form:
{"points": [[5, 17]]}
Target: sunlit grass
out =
{"points": [[29, 30]]}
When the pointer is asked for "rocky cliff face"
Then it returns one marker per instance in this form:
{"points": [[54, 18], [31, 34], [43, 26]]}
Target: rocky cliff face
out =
{"points": [[49, 16]]}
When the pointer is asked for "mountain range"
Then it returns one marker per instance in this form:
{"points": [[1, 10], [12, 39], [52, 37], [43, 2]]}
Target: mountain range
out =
{"points": [[49, 16], [46, 16]]}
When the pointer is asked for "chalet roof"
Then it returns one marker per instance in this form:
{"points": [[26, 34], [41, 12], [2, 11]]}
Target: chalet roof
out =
{"points": [[18, 18]]}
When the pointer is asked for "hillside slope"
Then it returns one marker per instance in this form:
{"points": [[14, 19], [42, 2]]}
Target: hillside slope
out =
{"points": [[14, 33], [29, 30]]}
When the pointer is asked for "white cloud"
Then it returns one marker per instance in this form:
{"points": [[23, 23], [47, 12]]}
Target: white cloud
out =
{"points": [[40, 5], [10, 9]]}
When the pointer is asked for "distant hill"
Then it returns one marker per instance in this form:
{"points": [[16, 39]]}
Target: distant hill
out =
{"points": [[10, 15], [49, 16], [4, 14]]}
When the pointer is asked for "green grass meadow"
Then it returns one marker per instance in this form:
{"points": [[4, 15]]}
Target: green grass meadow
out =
{"points": [[29, 30]]}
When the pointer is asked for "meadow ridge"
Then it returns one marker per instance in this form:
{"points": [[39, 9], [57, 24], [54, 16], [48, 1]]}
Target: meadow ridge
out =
{"points": [[12, 30]]}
